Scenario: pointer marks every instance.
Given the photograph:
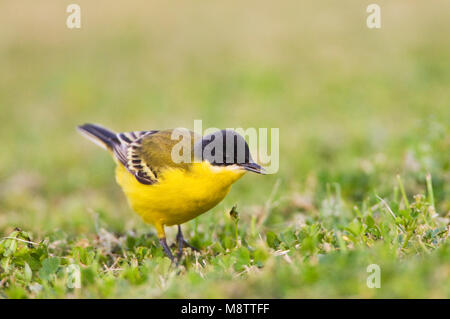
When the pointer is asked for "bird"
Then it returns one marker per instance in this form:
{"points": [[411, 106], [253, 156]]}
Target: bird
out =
{"points": [[165, 191]]}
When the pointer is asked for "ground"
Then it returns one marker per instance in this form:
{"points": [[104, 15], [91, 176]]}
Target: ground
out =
{"points": [[364, 174]]}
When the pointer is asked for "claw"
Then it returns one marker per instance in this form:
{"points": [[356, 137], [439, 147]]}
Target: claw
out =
{"points": [[186, 244]]}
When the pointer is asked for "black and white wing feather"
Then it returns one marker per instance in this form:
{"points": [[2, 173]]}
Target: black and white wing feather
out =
{"points": [[130, 156], [126, 147]]}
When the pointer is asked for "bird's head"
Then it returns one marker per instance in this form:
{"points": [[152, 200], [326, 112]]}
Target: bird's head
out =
{"points": [[226, 148]]}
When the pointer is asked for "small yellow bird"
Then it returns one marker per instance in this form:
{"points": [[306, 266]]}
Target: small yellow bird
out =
{"points": [[167, 192]]}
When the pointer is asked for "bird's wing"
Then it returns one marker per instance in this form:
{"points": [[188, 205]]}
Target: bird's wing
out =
{"points": [[129, 153], [147, 154]]}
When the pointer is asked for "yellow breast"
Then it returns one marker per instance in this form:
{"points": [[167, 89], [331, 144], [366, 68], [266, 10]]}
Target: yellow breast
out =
{"points": [[180, 195]]}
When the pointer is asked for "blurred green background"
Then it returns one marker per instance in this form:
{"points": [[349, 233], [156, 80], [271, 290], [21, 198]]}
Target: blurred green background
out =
{"points": [[355, 106]]}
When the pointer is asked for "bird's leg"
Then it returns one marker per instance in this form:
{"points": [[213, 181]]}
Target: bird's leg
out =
{"points": [[162, 239], [166, 248], [182, 243]]}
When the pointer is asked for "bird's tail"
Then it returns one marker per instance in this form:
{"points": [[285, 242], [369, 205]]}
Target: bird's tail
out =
{"points": [[99, 135]]}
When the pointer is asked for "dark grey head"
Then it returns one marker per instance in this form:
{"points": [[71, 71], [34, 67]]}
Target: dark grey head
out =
{"points": [[225, 148]]}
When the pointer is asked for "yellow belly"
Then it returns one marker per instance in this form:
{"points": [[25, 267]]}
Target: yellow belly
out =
{"points": [[180, 195]]}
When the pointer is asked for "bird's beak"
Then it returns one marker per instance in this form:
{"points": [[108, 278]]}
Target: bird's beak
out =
{"points": [[253, 167]]}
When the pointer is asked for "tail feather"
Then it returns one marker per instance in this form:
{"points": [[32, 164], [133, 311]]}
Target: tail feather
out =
{"points": [[99, 135]]}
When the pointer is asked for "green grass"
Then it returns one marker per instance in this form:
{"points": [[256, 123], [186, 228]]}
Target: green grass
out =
{"points": [[323, 255], [364, 122]]}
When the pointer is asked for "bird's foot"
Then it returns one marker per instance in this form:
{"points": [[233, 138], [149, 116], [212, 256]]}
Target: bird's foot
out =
{"points": [[182, 243], [186, 244], [166, 248]]}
